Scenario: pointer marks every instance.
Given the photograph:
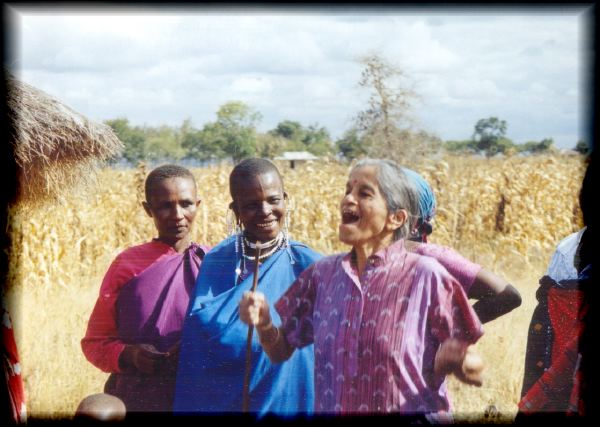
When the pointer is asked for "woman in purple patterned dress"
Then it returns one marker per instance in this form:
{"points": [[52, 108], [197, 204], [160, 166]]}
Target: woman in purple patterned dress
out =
{"points": [[387, 325]]}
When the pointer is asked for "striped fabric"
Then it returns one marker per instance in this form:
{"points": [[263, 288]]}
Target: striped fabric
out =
{"points": [[462, 269], [376, 336]]}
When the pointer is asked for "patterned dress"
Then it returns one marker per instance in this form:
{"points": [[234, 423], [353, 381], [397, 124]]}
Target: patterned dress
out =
{"points": [[376, 336], [538, 355]]}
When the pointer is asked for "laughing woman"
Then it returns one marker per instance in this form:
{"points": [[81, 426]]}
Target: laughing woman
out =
{"points": [[387, 325], [211, 367]]}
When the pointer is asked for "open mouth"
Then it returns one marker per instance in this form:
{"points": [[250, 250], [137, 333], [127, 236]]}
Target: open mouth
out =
{"points": [[349, 217], [267, 224]]}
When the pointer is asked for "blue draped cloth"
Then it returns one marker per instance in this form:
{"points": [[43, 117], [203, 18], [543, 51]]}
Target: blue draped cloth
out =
{"points": [[211, 368], [426, 197]]}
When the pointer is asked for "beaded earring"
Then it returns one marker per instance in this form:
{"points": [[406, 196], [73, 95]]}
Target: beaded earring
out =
{"points": [[234, 228], [287, 221], [231, 221], [286, 229], [239, 247]]}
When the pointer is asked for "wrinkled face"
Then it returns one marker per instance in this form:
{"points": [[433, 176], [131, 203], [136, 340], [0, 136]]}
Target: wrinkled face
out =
{"points": [[173, 204], [365, 218], [259, 203]]}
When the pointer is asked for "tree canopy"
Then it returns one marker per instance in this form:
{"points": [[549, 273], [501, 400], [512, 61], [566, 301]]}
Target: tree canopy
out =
{"points": [[314, 138], [489, 137], [233, 134]]}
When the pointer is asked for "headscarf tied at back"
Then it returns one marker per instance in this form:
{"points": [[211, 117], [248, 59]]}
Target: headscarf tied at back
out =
{"points": [[427, 205]]}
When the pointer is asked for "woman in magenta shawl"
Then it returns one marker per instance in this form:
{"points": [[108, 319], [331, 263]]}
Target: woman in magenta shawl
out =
{"points": [[135, 327]]}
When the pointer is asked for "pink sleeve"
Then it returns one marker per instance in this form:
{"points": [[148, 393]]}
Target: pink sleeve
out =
{"points": [[101, 345], [296, 307], [452, 315], [463, 270]]}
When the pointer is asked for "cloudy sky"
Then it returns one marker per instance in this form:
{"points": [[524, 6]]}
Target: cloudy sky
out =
{"points": [[159, 66]]}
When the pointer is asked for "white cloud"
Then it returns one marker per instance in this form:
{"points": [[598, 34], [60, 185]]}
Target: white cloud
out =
{"points": [[301, 65], [256, 85]]}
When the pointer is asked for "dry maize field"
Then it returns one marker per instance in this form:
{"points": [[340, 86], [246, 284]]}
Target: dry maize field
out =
{"points": [[506, 214]]}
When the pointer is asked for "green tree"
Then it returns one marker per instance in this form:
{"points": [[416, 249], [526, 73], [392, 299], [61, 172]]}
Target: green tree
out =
{"points": [[133, 139], [314, 138], [463, 146], [545, 144], [236, 123], [288, 129], [163, 143], [503, 145], [350, 145], [488, 136], [269, 145], [189, 138], [536, 147], [233, 134], [317, 140], [205, 144], [582, 147], [191, 142]]}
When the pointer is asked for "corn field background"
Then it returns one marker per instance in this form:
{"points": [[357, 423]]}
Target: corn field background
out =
{"points": [[506, 214]]}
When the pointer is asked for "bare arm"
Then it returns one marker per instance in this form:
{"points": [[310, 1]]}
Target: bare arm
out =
{"points": [[254, 310], [495, 296], [274, 344]]}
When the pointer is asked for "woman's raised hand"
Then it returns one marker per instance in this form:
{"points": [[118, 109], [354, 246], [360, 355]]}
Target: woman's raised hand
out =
{"points": [[254, 310]]}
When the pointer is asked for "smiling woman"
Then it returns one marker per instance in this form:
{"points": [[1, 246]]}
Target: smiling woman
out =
{"points": [[259, 203], [210, 375], [370, 221]]}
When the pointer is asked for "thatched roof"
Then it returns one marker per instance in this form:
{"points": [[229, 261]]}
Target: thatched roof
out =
{"points": [[55, 147]]}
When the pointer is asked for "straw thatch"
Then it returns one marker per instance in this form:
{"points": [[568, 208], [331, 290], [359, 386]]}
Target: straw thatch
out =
{"points": [[55, 148]]}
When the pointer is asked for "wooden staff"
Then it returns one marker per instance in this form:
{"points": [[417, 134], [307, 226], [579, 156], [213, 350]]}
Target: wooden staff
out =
{"points": [[246, 392]]}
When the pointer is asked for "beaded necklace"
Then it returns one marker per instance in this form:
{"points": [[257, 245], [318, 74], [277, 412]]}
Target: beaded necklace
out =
{"points": [[276, 244], [264, 245]]}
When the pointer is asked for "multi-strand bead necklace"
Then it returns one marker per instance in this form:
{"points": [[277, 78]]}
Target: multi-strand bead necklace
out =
{"points": [[274, 245]]}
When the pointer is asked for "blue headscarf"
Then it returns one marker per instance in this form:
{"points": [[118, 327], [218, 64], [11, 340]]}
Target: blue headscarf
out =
{"points": [[426, 204]]}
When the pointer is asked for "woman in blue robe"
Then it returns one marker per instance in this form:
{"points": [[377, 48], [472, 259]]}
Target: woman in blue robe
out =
{"points": [[210, 374]]}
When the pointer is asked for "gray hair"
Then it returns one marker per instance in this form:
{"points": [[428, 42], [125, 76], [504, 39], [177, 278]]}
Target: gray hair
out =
{"points": [[397, 190]]}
